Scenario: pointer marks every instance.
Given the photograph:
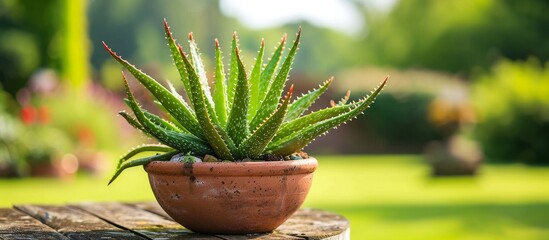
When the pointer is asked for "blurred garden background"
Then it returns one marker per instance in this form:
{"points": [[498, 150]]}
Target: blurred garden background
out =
{"points": [[455, 147]]}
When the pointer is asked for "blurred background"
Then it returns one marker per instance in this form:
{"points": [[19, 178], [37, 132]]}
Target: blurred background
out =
{"points": [[455, 147]]}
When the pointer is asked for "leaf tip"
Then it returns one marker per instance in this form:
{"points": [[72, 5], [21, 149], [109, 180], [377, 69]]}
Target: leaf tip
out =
{"points": [[167, 29], [108, 48], [329, 81]]}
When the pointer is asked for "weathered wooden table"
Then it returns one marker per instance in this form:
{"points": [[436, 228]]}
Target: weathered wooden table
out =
{"points": [[144, 221]]}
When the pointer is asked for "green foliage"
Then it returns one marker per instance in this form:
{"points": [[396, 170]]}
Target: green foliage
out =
{"points": [[408, 116], [512, 104], [458, 36], [29, 39], [402, 121], [226, 132]]}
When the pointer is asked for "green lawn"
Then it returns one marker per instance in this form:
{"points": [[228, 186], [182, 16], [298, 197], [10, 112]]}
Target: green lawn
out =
{"points": [[384, 197]]}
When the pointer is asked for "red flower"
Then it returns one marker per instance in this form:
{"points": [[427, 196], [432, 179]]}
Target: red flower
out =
{"points": [[28, 115]]}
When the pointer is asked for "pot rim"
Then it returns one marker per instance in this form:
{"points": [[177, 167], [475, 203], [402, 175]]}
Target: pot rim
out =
{"points": [[263, 168]]}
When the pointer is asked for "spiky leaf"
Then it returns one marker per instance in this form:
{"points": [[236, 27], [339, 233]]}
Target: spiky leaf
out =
{"points": [[218, 141], [144, 148], [237, 125], [133, 122], [233, 71], [171, 103], [220, 90], [299, 124], [178, 140], [196, 60], [163, 122], [268, 106], [304, 102], [141, 161], [300, 139], [344, 99], [267, 74], [254, 145], [178, 61], [255, 78], [177, 95]]}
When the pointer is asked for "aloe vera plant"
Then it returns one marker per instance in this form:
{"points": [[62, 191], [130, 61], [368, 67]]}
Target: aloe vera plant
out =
{"points": [[245, 116]]}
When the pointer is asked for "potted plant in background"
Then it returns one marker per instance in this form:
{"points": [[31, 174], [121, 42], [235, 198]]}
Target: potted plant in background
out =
{"points": [[456, 154], [231, 161]]}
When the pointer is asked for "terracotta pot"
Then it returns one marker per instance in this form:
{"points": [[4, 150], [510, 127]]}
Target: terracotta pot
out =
{"points": [[231, 198]]}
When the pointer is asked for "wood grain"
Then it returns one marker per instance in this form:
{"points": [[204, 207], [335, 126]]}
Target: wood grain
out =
{"points": [[145, 220], [17, 225], [75, 223], [139, 221]]}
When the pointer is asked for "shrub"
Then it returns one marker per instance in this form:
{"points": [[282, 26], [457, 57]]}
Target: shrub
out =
{"points": [[417, 109], [512, 104]]}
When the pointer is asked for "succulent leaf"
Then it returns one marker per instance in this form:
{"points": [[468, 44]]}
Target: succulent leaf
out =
{"points": [[219, 141], [254, 145], [304, 102], [178, 140], [141, 161], [133, 122], [200, 70], [163, 122], [344, 99], [171, 103], [272, 66], [174, 51], [144, 148], [233, 72], [177, 95], [298, 124], [170, 119], [300, 139], [255, 77], [220, 90], [269, 104], [237, 125]]}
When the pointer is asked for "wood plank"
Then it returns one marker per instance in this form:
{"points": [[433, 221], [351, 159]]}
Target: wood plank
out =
{"points": [[153, 207], [75, 223], [304, 224], [316, 224], [266, 236], [142, 222], [17, 225], [148, 220]]}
